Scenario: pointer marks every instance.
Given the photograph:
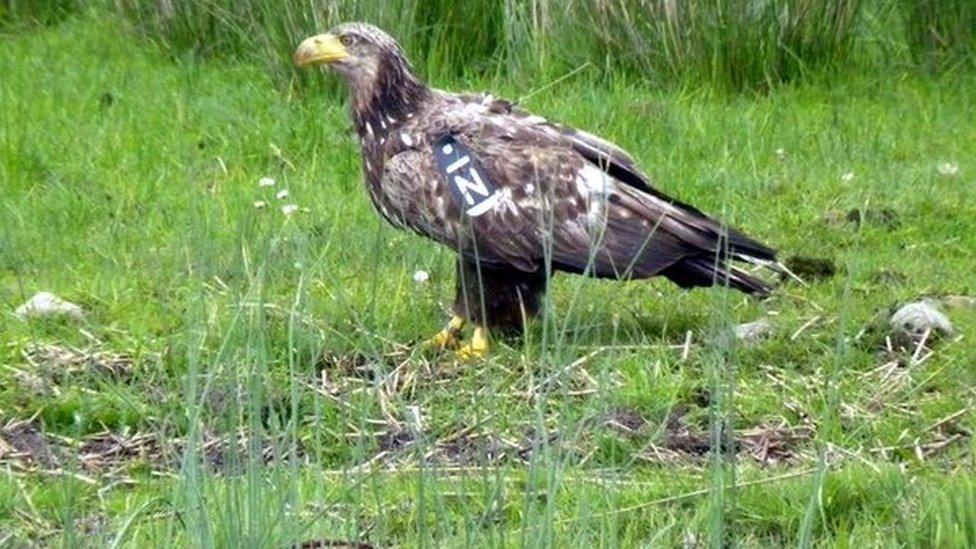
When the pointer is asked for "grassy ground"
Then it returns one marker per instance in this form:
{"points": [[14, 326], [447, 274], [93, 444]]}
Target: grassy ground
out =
{"points": [[247, 377]]}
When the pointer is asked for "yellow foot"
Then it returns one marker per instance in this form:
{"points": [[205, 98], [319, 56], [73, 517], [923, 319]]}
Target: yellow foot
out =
{"points": [[446, 338], [477, 347]]}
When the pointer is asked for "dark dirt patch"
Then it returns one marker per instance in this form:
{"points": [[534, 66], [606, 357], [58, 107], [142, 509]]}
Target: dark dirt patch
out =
{"points": [[680, 437], [356, 365], [773, 444], [688, 442], [26, 446], [533, 440], [24, 443], [106, 100], [627, 421], [880, 217], [395, 440], [109, 450], [348, 363], [681, 441], [229, 453], [466, 447], [766, 444], [342, 544], [810, 268], [701, 397], [487, 449]]}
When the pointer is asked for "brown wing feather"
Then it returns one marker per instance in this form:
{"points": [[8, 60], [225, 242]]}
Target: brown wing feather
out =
{"points": [[562, 201]]}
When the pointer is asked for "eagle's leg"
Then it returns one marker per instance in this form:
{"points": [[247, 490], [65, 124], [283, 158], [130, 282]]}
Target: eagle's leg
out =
{"points": [[495, 299], [448, 337]]}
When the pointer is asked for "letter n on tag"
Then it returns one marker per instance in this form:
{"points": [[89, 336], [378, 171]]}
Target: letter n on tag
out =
{"points": [[470, 186]]}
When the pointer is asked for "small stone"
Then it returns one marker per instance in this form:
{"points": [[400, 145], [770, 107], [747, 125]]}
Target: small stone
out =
{"points": [[960, 301], [47, 305], [751, 333], [911, 322]]}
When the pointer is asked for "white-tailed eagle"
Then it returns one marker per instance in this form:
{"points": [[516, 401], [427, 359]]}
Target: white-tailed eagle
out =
{"points": [[515, 195]]}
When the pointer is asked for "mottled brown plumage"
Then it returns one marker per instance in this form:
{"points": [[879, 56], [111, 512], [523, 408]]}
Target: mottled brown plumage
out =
{"points": [[568, 200]]}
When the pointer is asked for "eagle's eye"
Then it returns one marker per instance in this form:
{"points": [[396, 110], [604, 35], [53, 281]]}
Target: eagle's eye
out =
{"points": [[347, 39]]}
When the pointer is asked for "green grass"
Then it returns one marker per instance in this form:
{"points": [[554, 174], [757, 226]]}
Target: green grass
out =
{"points": [[748, 45], [35, 12], [941, 34], [127, 183]]}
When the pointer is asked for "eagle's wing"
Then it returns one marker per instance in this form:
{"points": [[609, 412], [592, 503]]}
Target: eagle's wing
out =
{"points": [[563, 196], [620, 165], [611, 158], [507, 235]]}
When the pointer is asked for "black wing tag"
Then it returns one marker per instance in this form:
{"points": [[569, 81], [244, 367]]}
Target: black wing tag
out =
{"points": [[468, 183]]}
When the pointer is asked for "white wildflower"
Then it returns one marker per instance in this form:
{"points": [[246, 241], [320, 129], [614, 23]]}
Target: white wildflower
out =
{"points": [[289, 209], [781, 153], [847, 177], [266, 182], [421, 277], [282, 194], [948, 168], [260, 204]]}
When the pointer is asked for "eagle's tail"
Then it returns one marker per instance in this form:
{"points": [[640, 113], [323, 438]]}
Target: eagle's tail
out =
{"points": [[713, 264], [706, 270]]}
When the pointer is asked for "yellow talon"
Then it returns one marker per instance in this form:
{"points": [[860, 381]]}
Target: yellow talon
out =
{"points": [[477, 347], [447, 338], [444, 339]]}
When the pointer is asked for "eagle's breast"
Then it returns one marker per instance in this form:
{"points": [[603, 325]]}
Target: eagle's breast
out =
{"points": [[380, 140]]}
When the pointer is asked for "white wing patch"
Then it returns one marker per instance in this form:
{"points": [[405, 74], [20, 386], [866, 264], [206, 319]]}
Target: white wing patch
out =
{"points": [[595, 186]]}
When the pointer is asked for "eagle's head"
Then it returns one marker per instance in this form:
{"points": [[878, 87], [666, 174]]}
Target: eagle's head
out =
{"points": [[379, 76], [357, 51]]}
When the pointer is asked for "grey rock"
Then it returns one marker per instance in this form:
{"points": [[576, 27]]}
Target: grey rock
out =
{"points": [[751, 333], [46, 305], [912, 321], [960, 301]]}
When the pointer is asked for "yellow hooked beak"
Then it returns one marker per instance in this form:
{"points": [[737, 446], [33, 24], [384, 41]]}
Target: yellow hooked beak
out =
{"points": [[324, 48]]}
